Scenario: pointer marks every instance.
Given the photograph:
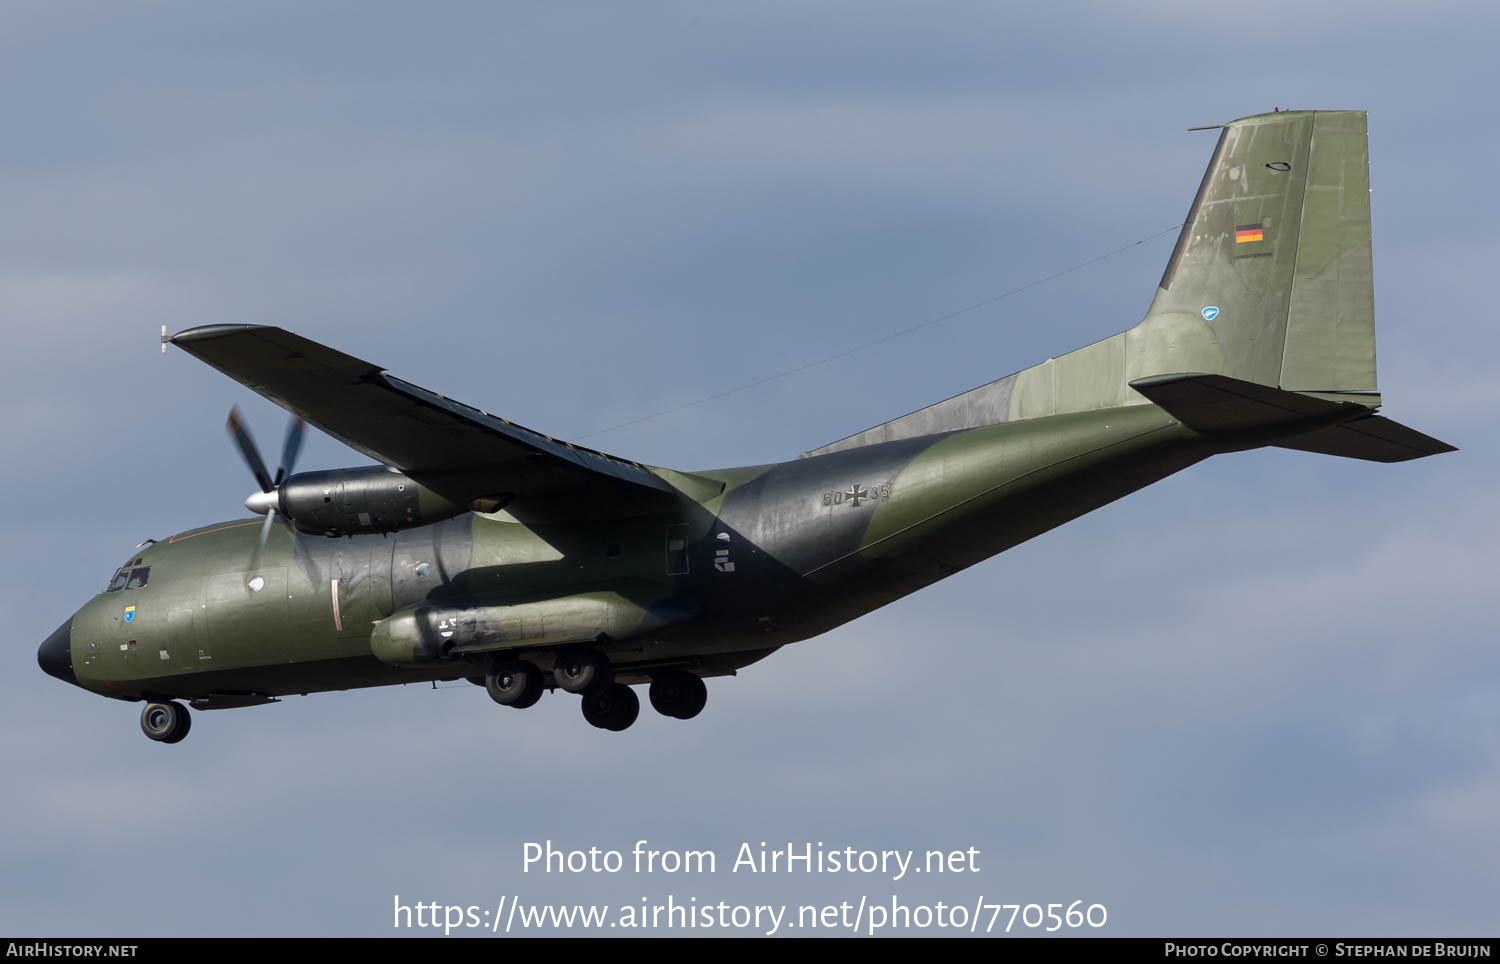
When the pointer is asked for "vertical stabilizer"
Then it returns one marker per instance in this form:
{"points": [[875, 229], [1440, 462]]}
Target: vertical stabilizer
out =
{"points": [[1273, 264], [1269, 283]]}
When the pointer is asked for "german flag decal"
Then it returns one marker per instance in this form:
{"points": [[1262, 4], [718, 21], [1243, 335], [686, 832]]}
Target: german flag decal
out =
{"points": [[1248, 232]]}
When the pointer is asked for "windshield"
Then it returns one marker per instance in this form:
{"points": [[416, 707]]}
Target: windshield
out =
{"points": [[129, 577]]}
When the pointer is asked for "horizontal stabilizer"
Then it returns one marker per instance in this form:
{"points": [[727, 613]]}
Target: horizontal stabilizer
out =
{"points": [[1217, 405], [1372, 438], [1232, 410]]}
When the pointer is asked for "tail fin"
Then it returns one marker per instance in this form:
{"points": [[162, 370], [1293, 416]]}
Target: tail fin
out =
{"points": [[1273, 264], [1269, 284]]}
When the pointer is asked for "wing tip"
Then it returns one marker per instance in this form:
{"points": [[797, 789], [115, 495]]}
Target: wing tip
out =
{"points": [[206, 332]]}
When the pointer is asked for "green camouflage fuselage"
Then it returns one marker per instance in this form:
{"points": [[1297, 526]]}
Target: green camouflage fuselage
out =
{"points": [[785, 552]]}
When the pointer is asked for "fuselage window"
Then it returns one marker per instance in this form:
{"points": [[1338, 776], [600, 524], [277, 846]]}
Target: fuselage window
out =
{"points": [[138, 578], [118, 582]]}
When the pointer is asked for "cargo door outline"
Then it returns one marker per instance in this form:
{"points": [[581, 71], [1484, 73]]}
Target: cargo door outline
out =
{"points": [[187, 644], [182, 645]]}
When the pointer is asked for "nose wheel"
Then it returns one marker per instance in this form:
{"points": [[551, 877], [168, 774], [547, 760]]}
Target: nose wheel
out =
{"points": [[166, 722]]}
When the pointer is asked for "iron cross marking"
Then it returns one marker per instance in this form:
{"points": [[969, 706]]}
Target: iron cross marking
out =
{"points": [[856, 494]]}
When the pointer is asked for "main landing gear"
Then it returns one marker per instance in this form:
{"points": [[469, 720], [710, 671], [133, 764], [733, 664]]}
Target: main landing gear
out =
{"points": [[586, 671], [614, 707], [677, 693], [166, 722], [514, 682], [583, 669]]}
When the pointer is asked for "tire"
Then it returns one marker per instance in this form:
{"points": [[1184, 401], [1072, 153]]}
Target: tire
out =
{"points": [[182, 731], [165, 722], [677, 693], [514, 682], [613, 708], [582, 670], [534, 688], [698, 699]]}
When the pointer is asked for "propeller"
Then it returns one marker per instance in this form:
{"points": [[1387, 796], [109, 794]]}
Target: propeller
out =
{"points": [[268, 498]]}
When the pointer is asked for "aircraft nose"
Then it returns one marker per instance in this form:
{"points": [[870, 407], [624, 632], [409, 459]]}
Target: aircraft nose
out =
{"points": [[55, 655]]}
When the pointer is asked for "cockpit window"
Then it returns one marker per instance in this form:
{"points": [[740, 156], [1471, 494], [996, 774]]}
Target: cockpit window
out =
{"points": [[138, 577], [118, 582]]}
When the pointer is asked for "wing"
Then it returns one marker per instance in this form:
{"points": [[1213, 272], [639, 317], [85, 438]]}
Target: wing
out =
{"points": [[458, 451]]}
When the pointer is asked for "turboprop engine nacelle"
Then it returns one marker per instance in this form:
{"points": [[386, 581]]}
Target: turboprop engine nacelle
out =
{"points": [[341, 502]]}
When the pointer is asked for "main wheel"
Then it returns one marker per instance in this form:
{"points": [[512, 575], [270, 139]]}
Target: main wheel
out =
{"points": [[514, 682], [166, 722], [187, 724], [613, 708], [583, 670], [677, 693]]}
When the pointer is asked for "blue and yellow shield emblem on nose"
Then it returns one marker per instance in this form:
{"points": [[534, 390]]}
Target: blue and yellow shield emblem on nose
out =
{"points": [[129, 613]]}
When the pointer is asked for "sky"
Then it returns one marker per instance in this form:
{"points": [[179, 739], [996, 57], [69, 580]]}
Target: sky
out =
{"points": [[1258, 698]]}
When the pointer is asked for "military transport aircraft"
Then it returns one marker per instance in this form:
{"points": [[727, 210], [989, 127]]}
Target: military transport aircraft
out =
{"points": [[485, 551]]}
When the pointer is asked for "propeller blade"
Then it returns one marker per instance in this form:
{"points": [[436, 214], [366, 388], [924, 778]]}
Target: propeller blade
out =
{"points": [[290, 446], [303, 553], [265, 530], [241, 436]]}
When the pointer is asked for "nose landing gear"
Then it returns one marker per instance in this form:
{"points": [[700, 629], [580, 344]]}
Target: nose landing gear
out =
{"points": [[166, 722]]}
